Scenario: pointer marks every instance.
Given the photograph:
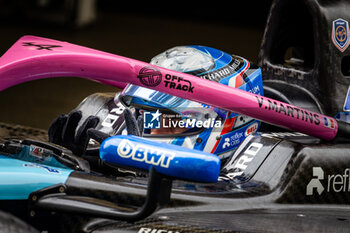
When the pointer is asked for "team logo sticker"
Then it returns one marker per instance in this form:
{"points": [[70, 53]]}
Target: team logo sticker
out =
{"points": [[41, 46], [150, 76], [340, 34]]}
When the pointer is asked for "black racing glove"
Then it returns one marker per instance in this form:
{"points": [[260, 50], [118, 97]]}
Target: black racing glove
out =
{"points": [[97, 117], [64, 131], [100, 112]]}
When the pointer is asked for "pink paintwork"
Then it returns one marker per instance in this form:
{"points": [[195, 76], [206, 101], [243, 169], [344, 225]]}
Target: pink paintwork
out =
{"points": [[33, 58]]}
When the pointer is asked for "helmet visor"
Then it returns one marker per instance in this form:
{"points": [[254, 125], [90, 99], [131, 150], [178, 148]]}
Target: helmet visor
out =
{"points": [[151, 100]]}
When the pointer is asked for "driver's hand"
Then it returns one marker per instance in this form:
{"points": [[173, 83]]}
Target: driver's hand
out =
{"points": [[64, 131]]}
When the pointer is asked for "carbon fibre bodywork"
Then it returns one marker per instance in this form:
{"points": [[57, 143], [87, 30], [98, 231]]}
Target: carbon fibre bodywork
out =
{"points": [[273, 190], [274, 199]]}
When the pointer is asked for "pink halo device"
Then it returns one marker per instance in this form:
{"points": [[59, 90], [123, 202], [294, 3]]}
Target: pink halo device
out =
{"points": [[33, 58]]}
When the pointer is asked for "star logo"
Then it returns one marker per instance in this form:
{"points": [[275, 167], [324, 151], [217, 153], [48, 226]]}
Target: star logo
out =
{"points": [[156, 115]]}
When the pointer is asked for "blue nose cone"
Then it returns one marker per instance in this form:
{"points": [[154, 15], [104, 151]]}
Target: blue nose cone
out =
{"points": [[171, 160]]}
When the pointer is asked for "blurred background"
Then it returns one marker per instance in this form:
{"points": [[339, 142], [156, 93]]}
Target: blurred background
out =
{"points": [[136, 30]]}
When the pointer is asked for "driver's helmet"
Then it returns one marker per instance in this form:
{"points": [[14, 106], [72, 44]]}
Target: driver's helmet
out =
{"points": [[191, 124]]}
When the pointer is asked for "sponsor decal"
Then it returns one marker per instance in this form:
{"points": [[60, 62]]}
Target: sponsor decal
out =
{"points": [[154, 230], [343, 116], [140, 153], [47, 168], [251, 129], [224, 72], [232, 140], [347, 102], [290, 111], [332, 183], [150, 76], [40, 46], [241, 164], [156, 120], [255, 89], [113, 116], [340, 34], [179, 83], [36, 151]]}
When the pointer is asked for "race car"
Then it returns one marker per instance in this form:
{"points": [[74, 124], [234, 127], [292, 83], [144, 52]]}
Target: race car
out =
{"points": [[115, 160]]}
